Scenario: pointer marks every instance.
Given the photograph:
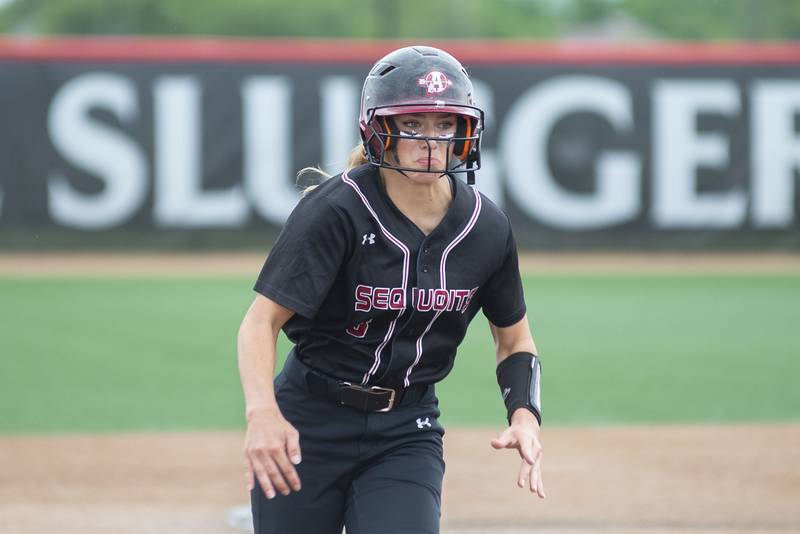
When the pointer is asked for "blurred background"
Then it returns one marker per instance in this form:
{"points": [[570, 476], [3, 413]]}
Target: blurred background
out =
{"points": [[646, 152], [601, 20]]}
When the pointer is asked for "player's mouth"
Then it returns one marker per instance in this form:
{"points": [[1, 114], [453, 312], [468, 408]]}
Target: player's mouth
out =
{"points": [[429, 163]]}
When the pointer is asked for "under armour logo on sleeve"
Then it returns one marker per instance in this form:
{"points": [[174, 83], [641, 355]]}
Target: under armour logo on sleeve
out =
{"points": [[422, 423], [368, 238]]}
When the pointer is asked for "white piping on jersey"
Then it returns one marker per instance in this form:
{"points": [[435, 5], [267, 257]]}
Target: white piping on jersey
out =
{"points": [[459, 238], [406, 256], [443, 277], [406, 382]]}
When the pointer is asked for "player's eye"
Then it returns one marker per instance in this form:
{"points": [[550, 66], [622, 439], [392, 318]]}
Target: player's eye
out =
{"points": [[412, 125]]}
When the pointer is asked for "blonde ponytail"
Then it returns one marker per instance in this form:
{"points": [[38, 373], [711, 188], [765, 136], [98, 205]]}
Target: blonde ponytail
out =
{"points": [[310, 174], [356, 157]]}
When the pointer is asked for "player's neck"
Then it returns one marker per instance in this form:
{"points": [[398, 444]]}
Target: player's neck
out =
{"points": [[425, 204]]}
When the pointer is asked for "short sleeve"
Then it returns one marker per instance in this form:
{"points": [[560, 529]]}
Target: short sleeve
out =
{"points": [[307, 256], [502, 297]]}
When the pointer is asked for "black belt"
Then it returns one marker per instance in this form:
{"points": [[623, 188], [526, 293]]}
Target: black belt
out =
{"points": [[363, 398]]}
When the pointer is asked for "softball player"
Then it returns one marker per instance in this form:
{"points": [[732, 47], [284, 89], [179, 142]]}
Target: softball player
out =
{"points": [[374, 278]]}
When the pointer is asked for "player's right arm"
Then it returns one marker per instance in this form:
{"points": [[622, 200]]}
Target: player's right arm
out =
{"points": [[272, 444]]}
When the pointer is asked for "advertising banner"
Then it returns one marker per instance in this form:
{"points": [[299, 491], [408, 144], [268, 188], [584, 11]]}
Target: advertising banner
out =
{"points": [[196, 143]]}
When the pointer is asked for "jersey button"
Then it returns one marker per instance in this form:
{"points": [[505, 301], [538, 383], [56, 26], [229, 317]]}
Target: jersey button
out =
{"points": [[424, 268], [426, 250]]}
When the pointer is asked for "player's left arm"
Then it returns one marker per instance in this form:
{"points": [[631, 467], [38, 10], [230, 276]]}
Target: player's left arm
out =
{"points": [[516, 341], [512, 339]]}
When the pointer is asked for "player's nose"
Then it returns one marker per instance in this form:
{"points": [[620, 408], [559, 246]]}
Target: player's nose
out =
{"points": [[427, 143], [432, 144]]}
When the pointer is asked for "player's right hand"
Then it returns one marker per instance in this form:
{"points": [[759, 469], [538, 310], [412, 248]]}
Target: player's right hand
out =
{"points": [[271, 450]]}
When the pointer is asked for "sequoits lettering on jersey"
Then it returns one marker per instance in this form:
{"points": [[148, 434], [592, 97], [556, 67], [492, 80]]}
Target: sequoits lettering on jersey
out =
{"points": [[423, 299]]}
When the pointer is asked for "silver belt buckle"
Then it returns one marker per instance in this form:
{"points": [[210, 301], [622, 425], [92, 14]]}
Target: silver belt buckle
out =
{"points": [[392, 394]]}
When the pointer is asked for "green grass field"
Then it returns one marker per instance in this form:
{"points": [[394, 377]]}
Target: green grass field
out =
{"points": [[85, 354]]}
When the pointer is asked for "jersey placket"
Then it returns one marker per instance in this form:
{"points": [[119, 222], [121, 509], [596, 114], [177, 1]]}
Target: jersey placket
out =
{"points": [[431, 269], [407, 343]]}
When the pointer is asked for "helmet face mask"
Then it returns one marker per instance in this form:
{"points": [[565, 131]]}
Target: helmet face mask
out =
{"points": [[461, 148], [415, 80]]}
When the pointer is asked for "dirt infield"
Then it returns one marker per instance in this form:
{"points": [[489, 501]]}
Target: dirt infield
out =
{"points": [[698, 479], [249, 263]]}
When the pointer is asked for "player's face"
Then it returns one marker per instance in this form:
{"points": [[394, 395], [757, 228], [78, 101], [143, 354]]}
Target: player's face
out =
{"points": [[430, 156]]}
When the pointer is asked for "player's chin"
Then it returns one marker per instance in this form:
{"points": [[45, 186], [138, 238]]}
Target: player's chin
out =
{"points": [[426, 175]]}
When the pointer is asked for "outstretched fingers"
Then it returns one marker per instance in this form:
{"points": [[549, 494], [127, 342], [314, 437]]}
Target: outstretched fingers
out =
{"points": [[506, 440], [524, 473], [530, 450], [286, 471], [527, 450], [249, 477], [275, 473], [531, 476], [537, 483], [293, 446], [256, 471], [277, 466], [270, 459]]}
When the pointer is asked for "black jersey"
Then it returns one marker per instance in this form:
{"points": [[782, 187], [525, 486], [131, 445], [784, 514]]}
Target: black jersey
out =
{"points": [[378, 302]]}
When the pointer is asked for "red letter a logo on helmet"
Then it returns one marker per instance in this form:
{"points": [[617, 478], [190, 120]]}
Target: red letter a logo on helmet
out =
{"points": [[435, 82]]}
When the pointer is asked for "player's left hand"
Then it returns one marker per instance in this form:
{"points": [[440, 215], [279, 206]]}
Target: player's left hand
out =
{"points": [[523, 435]]}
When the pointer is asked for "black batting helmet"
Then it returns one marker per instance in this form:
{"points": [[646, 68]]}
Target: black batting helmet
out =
{"points": [[420, 79]]}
